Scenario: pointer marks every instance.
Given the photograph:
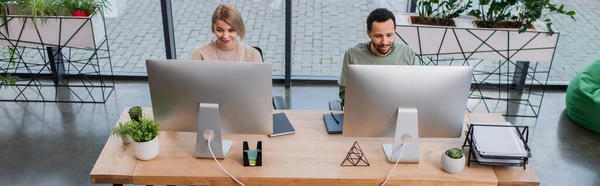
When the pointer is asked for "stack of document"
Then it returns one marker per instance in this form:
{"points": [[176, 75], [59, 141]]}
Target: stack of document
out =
{"points": [[491, 141]]}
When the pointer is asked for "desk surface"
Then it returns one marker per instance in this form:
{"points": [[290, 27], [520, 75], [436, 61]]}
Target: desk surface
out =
{"points": [[309, 157]]}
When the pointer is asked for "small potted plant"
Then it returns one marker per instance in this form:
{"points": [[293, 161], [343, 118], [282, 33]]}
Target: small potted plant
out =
{"points": [[453, 160], [145, 138], [135, 113], [123, 130]]}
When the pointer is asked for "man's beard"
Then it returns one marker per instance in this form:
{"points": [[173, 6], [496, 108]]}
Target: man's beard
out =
{"points": [[377, 47]]}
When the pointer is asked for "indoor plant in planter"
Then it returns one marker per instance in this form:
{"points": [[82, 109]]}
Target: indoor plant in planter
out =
{"points": [[516, 14], [430, 31], [516, 22], [145, 138], [483, 33], [123, 130], [84, 8], [50, 22], [135, 113], [439, 12], [453, 160]]}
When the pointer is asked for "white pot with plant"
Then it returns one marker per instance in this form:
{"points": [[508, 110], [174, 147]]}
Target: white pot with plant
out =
{"points": [[71, 23], [490, 30], [122, 131], [145, 138], [453, 160]]}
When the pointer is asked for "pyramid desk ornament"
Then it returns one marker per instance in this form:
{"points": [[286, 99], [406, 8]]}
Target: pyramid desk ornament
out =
{"points": [[252, 157], [355, 156]]}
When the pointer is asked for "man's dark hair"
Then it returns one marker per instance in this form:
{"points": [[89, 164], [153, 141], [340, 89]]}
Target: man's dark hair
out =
{"points": [[379, 15]]}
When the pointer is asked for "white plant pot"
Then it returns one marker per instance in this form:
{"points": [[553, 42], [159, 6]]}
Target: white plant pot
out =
{"points": [[126, 139], [146, 150], [83, 32], [477, 43], [452, 166]]}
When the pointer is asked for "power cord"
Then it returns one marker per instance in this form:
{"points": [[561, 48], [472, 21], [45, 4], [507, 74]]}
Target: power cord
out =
{"points": [[401, 151], [213, 155]]}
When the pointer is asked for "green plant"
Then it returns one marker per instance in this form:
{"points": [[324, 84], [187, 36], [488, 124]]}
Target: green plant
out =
{"points": [[532, 10], [6, 78], [519, 14], [87, 6], [39, 8], [135, 113], [454, 153], [144, 130], [122, 129], [442, 12], [491, 12]]}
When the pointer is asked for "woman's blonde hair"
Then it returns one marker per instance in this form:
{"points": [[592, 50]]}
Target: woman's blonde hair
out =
{"points": [[231, 16]]}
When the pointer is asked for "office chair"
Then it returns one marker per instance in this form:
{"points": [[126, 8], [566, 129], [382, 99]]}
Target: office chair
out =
{"points": [[278, 102], [336, 105], [260, 52]]}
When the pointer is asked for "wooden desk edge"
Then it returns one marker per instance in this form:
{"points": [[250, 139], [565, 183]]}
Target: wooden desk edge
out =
{"points": [[111, 179], [99, 177], [526, 178]]}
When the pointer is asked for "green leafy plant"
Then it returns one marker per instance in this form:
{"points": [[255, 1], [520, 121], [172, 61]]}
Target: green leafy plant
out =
{"points": [[517, 14], [491, 13], [532, 10], [436, 12], [122, 129], [135, 113], [89, 7], [6, 78], [454, 153], [39, 8], [144, 130]]}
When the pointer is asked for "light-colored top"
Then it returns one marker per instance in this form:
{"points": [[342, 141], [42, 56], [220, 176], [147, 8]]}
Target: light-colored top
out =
{"points": [[309, 157], [210, 52], [362, 54]]}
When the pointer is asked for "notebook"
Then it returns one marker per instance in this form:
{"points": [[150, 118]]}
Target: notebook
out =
{"points": [[281, 125]]}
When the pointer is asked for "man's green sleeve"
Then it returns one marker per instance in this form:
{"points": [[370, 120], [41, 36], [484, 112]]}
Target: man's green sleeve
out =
{"points": [[342, 94]]}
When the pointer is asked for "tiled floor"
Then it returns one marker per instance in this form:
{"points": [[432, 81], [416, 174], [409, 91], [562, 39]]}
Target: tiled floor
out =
{"points": [[57, 144]]}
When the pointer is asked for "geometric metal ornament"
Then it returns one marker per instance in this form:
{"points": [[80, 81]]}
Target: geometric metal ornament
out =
{"points": [[355, 156]]}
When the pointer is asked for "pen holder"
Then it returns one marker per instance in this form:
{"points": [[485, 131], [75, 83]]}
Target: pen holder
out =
{"points": [[252, 157]]}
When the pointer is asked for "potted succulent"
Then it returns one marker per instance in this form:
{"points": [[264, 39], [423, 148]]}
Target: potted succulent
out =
{"points": [[135, 113], [145, 138], [122, 131], [453, 160]]}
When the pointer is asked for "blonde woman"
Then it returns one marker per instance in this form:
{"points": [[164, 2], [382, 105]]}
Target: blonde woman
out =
{"points": [[227, 25]]}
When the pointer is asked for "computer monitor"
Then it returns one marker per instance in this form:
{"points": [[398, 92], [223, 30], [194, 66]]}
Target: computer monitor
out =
{"points": [[374, 93], [241, 93]]}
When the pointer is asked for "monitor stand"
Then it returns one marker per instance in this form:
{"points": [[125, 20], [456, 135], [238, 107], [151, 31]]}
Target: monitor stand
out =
{"points": [[407, 129], [209, 120]]}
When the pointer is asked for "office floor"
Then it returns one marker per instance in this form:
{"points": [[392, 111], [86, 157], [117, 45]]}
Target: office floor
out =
{"points": [[57, 144]]}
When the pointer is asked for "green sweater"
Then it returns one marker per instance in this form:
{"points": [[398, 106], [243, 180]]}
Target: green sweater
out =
{"points": [[362, 54]]}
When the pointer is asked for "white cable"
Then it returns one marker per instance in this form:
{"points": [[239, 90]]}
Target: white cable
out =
{"points": [[389, 174], [213, 155]]}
